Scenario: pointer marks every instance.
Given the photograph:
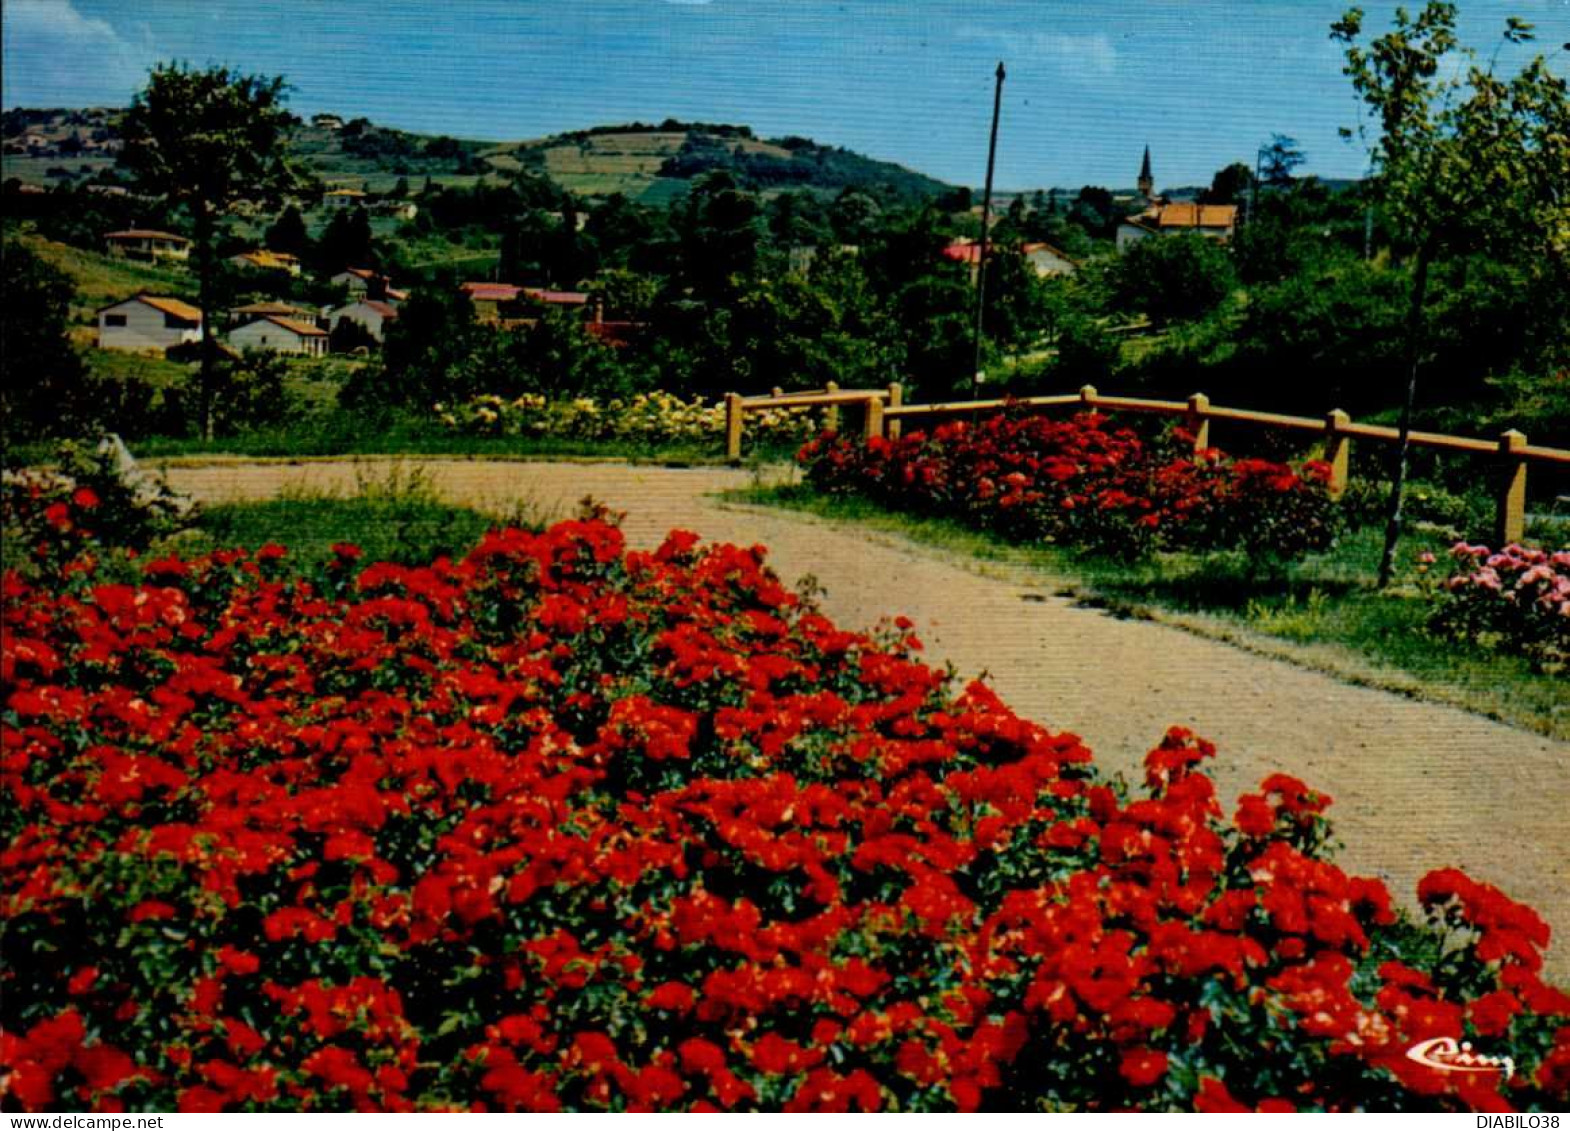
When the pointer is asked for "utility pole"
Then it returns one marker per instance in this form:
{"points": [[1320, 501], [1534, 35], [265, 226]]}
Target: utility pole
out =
{"points": [[986, 224], [1253, 196]]}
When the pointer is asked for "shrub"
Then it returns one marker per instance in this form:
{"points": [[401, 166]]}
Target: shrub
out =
{"points": [[1082, 483], [561, 825], [1516, 599], [89, 504], [645, 418]]}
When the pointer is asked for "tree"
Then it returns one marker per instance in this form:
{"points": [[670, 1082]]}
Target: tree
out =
{"points": [[347, 241], [1171, 277], [1279, 160], [209, 141], [46, 392], [1462, 160], [288, 233], [347, 335], [720, 229], [1228, 185]]}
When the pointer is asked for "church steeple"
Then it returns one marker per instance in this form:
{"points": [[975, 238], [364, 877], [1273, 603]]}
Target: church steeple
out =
{"points": [[1147, 183]]}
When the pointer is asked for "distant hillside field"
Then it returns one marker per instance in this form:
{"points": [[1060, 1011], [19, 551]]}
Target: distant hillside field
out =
{"points": [[649, 163]]}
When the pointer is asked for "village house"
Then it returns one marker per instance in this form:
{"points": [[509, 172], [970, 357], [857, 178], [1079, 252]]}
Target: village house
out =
{"points": [[265, 260], [370, 313], [1213, 221], [1043, 258], [364, 281], [397, 209], [281, 335], [148, 322], [145, 243], [240, 315], [342, 198], [489, 299], [1164, 217]]}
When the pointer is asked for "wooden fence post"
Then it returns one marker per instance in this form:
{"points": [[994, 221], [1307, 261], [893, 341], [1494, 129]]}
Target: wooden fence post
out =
{"points": [[1087, 396], [1199, 421], [1511, 526], [831, 416], [896, 398], [733, 427], [1338, 450], [873, 421]]}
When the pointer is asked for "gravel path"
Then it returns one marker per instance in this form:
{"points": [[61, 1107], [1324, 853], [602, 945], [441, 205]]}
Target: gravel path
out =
{"points": [[1416, 786]]}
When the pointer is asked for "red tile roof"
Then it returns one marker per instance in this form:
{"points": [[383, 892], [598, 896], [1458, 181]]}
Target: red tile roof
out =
{"points": [[1187, 215], [491, 292]]}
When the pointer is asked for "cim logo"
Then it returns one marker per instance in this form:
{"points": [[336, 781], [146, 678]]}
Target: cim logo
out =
{"points": [[1444, 1054]]}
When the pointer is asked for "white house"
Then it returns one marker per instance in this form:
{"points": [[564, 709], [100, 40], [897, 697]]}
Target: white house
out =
{"points": [[251, 311], [148, 322], [360, 280], [370, 313], [1043, 258], [146, 243], [281, 335], [1047, 260]]}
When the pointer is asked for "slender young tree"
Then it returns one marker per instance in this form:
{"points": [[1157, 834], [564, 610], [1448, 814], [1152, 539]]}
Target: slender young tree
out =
{"points": [[1463, 160], [210, 142]]}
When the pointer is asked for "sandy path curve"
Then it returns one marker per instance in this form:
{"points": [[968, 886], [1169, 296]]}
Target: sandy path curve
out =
{"points": [[1416, 785]]}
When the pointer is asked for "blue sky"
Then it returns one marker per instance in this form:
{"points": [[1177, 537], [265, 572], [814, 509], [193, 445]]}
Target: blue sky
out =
{"points": [[1203, 82]]}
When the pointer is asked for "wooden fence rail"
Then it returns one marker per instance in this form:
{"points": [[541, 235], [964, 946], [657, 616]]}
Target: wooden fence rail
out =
{"points": [[884, 412]]}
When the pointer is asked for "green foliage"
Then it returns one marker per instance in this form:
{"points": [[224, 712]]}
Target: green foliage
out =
{"points": [[288, 233], [347, 241], [1174, 277], [1314, 343], [347, 336], [251, 392], [46, 391], [1279, 160], [1087, 354], [208, 139], [1229, 185]]}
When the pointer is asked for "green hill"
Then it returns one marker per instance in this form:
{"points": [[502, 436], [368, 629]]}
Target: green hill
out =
{"points": [[651, 163]]}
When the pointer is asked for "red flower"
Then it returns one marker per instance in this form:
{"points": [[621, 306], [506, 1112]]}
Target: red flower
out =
{"points": [[1213, 1098], [1143, 1067]]}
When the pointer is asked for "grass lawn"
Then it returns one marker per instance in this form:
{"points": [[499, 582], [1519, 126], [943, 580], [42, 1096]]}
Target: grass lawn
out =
{"points": [[1322, 612], [102, 279], [396, 516]]}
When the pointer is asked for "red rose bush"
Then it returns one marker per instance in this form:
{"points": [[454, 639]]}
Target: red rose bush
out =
{"points": [[1083, 483], [563, 825]]}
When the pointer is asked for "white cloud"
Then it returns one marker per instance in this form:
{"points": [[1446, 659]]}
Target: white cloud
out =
{"points": [[1088, 54], [54, 55], [1073, 54]]}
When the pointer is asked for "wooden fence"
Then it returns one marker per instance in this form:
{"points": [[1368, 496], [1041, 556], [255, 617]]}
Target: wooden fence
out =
{"points": [[883, 412]]}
